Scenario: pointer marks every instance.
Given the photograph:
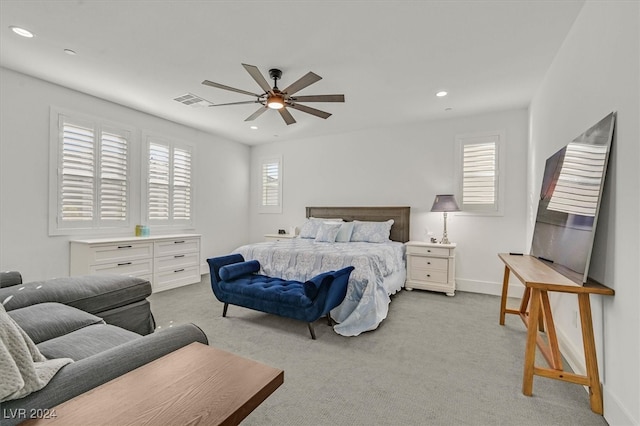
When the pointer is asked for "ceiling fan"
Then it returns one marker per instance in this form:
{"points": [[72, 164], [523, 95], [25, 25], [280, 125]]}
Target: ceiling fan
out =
{"points": [[280, 100]]}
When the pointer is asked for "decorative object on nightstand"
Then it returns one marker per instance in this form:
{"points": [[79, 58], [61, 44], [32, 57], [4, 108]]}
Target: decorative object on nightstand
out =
{"points": [[445, 203], [278, 237], [431, 266]]}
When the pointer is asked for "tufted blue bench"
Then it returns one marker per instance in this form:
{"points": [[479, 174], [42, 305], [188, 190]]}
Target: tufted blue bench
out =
{"points": [[237, 282]]}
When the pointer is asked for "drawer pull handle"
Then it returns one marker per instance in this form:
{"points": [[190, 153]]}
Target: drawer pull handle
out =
{"points": [[428, 251], [179, 270], [125, 263], [124, 247], [178, 255], [428, 275], [178, 242], [428, 263]]}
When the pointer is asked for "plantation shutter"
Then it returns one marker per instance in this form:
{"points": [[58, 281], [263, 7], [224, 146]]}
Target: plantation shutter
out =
{"points": [[181, 184], [77, 183], [270, 184], [578, 186], [113, 177], [479, 174], [159, 179]]}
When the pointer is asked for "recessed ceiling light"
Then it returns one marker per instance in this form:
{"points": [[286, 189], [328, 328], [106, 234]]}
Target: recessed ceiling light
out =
{"points": [[21, 32], [254, 127], [70, 52], [441, 93]]}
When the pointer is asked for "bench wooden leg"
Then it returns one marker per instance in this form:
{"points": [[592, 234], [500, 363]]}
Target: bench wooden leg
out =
{"points": [[588, 341], [224, 310]]}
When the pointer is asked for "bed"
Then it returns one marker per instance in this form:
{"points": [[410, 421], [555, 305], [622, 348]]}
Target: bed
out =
{"points": [[379, 266]]}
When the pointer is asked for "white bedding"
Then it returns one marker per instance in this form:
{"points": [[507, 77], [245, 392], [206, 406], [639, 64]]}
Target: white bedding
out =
{"points": [[379, 271]]}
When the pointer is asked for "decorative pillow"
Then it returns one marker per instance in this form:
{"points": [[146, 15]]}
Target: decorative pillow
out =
{"points": [[310, 226], [327, 232], [312, 287], [344, 234], [236, 270], [371, 232]]}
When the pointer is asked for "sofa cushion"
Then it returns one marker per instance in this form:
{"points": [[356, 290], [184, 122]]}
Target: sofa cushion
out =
{"points": [[86, 342], [236, 270], [45, 321], [269, 290], [90, 293]]}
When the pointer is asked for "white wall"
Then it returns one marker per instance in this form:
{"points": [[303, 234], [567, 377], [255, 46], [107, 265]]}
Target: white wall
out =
{"points": [[221, 176], [405, 166], [595, 72]]}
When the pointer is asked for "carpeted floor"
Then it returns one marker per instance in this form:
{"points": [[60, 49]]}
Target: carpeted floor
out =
{"points": [[435, 360]]}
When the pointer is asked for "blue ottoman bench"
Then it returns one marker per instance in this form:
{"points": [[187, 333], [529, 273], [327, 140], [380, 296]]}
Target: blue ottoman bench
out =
{"points": [[237, 282]]}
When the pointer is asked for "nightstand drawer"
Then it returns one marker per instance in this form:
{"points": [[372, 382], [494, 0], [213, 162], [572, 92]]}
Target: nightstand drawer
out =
{"points": [[437, 251], [426, 262], [436, 276]]}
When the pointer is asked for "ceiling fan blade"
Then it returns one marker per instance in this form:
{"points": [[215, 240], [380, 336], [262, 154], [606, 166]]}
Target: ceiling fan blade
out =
{"points": [[256, 114], [235, 103], [304, 81], [258, 77], [318, 98], [233, 89], [312, 111], [286, 116]]}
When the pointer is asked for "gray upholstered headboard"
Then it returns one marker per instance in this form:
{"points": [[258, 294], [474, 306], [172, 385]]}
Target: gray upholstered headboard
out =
{"points": [[400, 216]]}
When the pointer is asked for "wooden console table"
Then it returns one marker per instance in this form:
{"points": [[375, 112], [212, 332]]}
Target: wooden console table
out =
{"points": [[539, 279], [196, 384]]}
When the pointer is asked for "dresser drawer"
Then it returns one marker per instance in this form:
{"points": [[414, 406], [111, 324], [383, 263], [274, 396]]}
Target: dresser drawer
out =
{"points": [[115, 253], [437, 251], [177, 246], [176, 261], [136, 268], [176, 277], [431, 275], [426, 262]]}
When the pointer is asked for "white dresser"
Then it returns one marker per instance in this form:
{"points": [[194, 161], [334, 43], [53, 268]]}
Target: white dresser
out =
{"points": [[431, 266], [167, 261]]}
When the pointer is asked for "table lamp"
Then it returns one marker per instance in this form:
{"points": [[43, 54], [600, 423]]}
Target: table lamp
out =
{"points": [[445, 203]]}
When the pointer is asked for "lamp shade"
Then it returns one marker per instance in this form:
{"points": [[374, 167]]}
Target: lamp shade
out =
{"points": [[445, 203]]}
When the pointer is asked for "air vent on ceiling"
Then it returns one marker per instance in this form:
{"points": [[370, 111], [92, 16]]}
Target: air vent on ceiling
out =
{"points": [[192, 100]]}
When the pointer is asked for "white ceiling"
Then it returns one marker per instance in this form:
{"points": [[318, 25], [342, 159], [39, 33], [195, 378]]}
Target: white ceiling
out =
{"points": [[389, 58]]}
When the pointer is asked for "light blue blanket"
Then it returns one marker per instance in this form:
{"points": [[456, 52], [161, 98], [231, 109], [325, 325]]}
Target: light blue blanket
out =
{"points": [[367, 301]]}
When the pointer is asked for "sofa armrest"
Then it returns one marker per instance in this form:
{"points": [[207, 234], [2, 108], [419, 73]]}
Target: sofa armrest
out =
{"points": [[10, 278], [88, 373], [90, 293]]}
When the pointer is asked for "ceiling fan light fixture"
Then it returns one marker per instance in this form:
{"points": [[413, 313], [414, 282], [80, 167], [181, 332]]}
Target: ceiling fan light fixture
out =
{"points": [[275, 102]]}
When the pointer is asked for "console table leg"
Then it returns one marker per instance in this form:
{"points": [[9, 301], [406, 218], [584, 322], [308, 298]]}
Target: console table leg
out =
{"points": [[591, 362], [530, 349], [503, 300]]}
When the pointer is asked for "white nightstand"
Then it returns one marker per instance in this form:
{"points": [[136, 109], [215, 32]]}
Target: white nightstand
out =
{"points": [[431, 266], [278, 237]]}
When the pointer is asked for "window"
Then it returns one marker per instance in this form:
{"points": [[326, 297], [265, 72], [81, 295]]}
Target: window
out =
{"points": [[479, 184], [169, 190], [270, 185], [89, 174]]}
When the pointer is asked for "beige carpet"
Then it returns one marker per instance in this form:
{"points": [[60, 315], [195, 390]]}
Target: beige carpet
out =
{"points": [[435, 360]]}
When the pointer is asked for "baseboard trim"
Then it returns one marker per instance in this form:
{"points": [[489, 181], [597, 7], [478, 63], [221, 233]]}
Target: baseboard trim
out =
{"points": [[488, 287], [614, 411]]}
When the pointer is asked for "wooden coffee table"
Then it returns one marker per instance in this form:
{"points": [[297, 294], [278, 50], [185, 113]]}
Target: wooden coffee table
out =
{"points": [[196, 384]]}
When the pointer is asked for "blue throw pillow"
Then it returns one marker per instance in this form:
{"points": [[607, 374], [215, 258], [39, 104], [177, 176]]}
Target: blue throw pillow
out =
{"points": [[312, 287], [236, 270]]}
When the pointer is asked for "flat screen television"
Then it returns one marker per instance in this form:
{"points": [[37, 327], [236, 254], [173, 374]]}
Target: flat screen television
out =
{"points": [[570, 198]]}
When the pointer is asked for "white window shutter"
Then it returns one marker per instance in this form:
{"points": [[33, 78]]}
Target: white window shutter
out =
{"points": [[76, 196], [113, 177], [181, 184], [159, 180], [270, 184], [479, 174]]}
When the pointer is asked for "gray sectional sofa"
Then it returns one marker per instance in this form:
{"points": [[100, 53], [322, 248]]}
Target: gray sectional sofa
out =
{"points": [[103, 323]]}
